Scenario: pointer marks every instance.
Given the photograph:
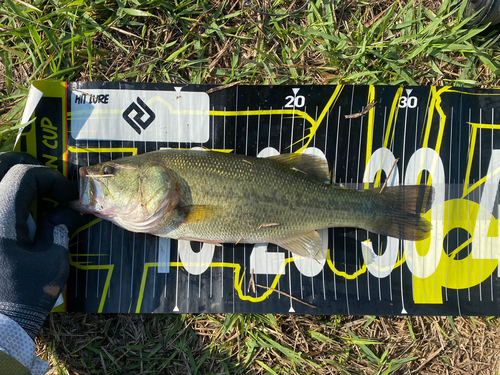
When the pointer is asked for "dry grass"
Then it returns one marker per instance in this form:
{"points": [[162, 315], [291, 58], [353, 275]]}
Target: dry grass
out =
{"points": [[216, 41], [190, 344]]}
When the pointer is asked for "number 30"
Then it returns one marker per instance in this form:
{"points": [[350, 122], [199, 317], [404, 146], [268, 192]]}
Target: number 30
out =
{"points": [[408, 101]]}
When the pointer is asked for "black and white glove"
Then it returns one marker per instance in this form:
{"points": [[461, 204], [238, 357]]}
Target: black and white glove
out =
{"points": [[484, 11], [32, 273]]}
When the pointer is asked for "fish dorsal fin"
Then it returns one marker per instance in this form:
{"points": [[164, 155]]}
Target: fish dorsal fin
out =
{"points": [[308, 245], [315, 167]]}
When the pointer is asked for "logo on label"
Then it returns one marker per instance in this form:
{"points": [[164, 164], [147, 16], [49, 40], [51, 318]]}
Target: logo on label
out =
{"points": [[140, 108]]}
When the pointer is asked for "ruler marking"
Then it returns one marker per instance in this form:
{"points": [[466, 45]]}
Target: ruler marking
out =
{"points": [[104, 230], [176, 307], [144, 260], [100, 237], [478, 199], [468, 210], [155, 239], [357, 187], [302, 144], [211, 279], [121, 257], [88, 236], [78, 234], [328, 236], [269, 145], [111, 230], [246, 131], [233, 289], [290, 282], [235, 144], [245, 270], [491, 239], [133, 256], [449, 196], [334, 174]]}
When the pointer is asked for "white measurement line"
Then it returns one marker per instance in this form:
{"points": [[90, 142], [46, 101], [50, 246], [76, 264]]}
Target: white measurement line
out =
{"points": [[290, 283], [144, 259], [213, 124], [468, 210], [211, 280], [157, 263], [133, 255], [448, 198], [346, 181], [222, 247], [400, 248], [245, 270], [176, 307], [78, 234], [246, 131], [400, 242], [386, 124], [110, 232], [88, 237], [235, 151], [292, 128], [281, 131], [100, 237], [302, 145], [132, 267], [465, 182], [491, 238], [328, 230], [258, 134], [334, 180], [269, 145], [478, 199], [222, 270], [358, 179], [233, 289], [121, 262]]}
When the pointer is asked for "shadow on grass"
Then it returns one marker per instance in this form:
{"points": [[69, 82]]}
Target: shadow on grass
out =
{"points": [[129, 344]]}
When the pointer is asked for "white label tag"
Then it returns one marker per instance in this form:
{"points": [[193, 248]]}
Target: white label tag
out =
{"points": [[131, 115]]}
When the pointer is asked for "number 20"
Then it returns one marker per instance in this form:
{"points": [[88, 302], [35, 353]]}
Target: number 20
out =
{"points": [[295, 101]]}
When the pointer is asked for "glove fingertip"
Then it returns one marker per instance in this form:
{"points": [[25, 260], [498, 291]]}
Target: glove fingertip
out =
{"points": [[61, 236]]}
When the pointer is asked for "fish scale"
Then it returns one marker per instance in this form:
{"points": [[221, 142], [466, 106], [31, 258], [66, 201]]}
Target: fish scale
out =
{"points": [[249, 195], [228, 198]]}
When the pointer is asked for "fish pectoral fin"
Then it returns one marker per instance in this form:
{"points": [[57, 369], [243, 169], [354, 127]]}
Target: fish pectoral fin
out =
{"points": [[308, 245], [196, 214], [313, 166]]}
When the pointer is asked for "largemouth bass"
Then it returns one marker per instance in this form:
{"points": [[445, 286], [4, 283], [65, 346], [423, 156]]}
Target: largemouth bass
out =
{"points": [[227, 198]]}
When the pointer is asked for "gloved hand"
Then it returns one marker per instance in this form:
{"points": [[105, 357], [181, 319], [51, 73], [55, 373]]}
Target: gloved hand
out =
{"points": [[32, 273], [484, 11]]}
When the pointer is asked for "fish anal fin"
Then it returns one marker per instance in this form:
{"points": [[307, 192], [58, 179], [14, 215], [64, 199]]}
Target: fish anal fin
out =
{"points": [[308, 245], [196, 214], [315, 167]]}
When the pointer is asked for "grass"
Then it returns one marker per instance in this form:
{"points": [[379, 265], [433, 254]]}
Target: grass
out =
{"points": [[268, 344], [222, 41]]}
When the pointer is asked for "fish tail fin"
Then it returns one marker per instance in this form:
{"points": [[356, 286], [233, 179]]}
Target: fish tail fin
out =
{"points": [[400, 211]]}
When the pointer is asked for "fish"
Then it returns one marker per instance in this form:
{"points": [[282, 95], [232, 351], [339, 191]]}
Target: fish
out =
{"points": [[217, 197]]}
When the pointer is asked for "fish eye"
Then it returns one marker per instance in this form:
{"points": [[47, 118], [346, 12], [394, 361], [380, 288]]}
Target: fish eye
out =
{"points": [[108, 170]]}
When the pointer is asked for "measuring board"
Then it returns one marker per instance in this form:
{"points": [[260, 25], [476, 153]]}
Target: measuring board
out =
{"points": [[444, 136]]}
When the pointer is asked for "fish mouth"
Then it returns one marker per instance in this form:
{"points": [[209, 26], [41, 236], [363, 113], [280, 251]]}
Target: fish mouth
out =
{"points": [[86, 203], [84, 180]]}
